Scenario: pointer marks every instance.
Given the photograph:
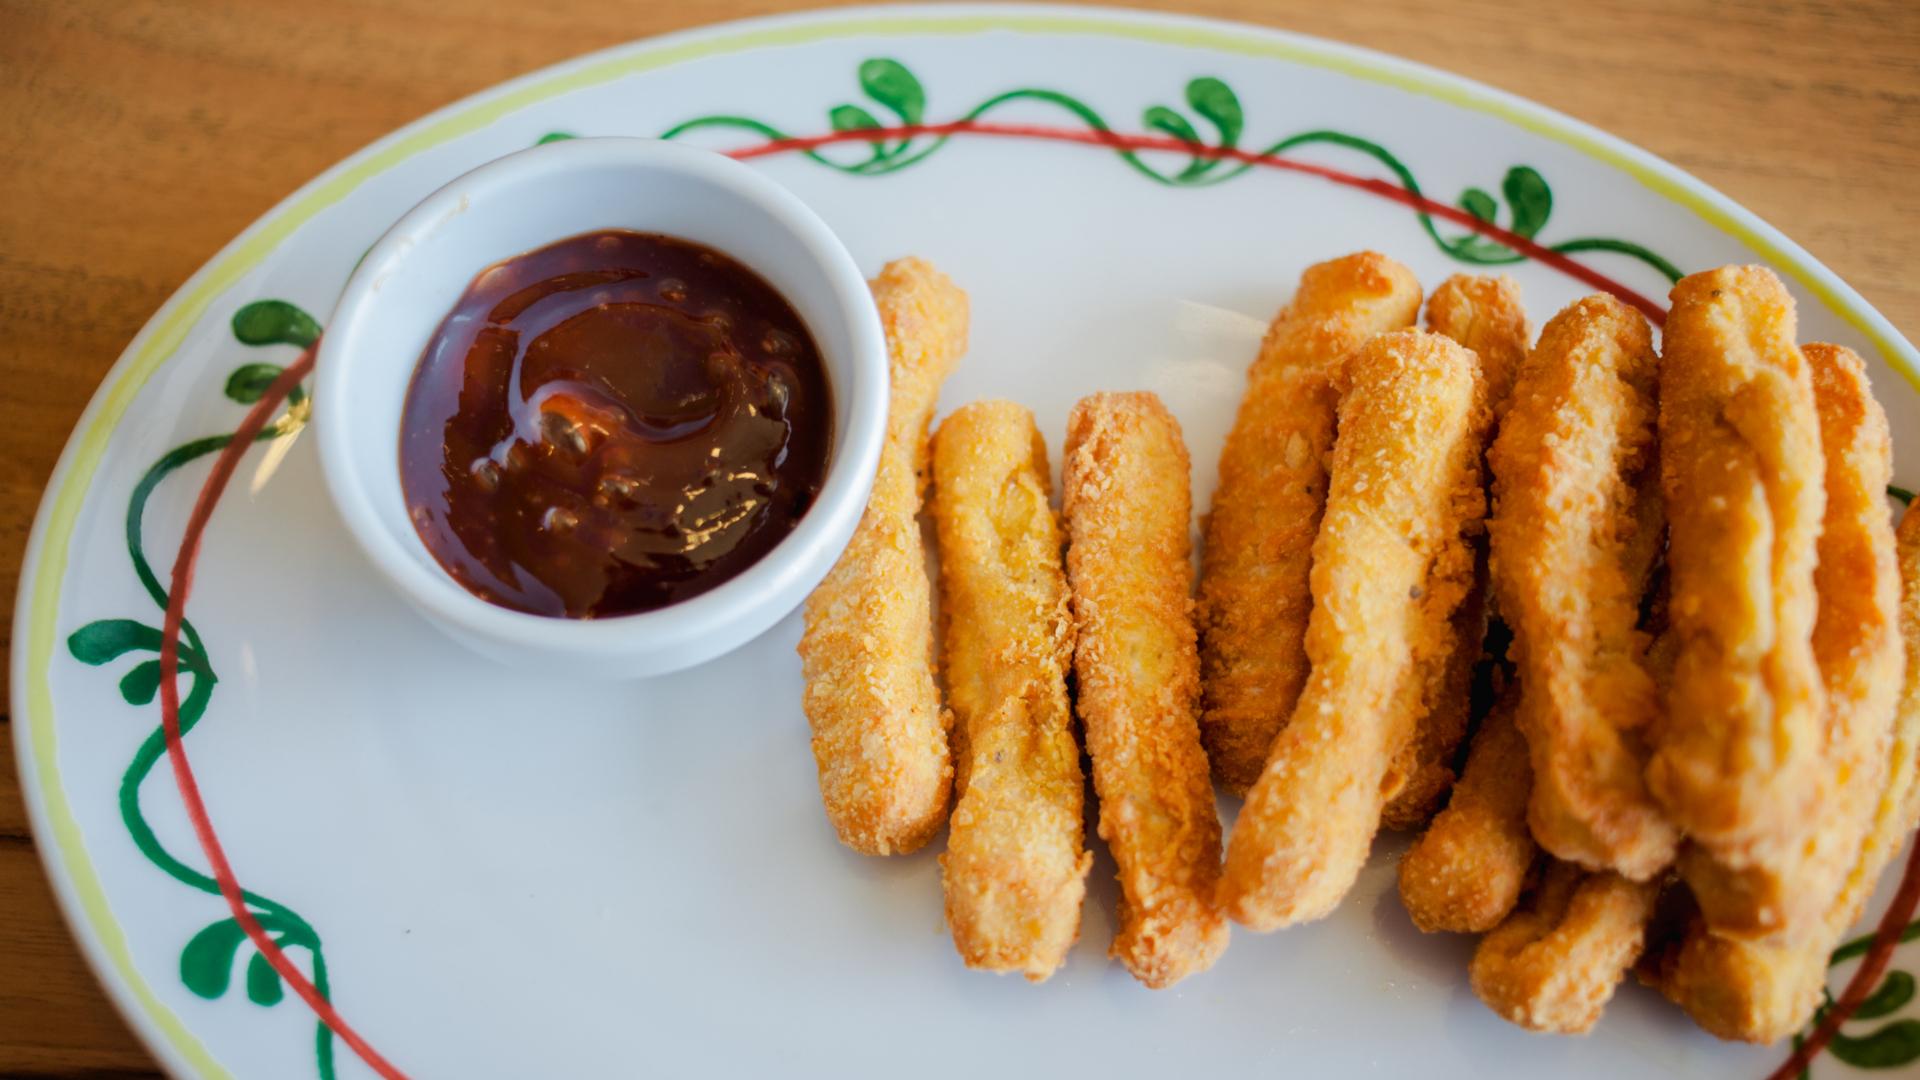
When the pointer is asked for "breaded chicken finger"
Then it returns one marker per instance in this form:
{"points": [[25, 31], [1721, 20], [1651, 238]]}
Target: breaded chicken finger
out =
{"points": [[1759, 991], [1737, 760], [1899, 807], [1254, 596], [1466, 871], [1856, 643], [1390, 565], [1554, 963], [1127, 508], [1485, 315], [879, 732], [1015, 867], [1576, 528]]}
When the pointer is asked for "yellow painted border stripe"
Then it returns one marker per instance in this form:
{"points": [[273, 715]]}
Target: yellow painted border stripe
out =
{"points": [[164, 336]]}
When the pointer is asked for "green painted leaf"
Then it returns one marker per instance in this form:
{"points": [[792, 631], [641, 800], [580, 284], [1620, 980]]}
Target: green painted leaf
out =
{"points": [[263, 983], [1895, 990], [1532, 200], [98, 642], [1905, 496], [206, 964], [852, 118], [140, 684], [274, 322], [555, 136], [1217, 102], [891, 84], [1890, 1047], [1859, 946], [1160, 118], [1479, 204], [249, 382], [1481, 251]]}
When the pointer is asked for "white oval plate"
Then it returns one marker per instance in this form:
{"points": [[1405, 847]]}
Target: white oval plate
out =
{"points": [[507, 877]]}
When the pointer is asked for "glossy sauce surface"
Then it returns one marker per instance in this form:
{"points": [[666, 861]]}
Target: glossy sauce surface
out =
{"points": [[613, 423]]}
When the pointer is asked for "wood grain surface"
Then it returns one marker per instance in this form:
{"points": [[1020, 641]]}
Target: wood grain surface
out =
{"points": [[137, 137]]}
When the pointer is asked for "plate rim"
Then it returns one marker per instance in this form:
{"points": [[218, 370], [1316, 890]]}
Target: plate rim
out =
{"points": [[58, 839]]}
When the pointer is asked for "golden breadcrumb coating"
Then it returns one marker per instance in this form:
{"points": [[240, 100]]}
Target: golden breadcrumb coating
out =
{"points": [[1554, 963], [1485, 315], [1737, 759], [1786, 890], [879, 732], [1254, 596], [1466, 871], [1899, 808], [1015, 868], [1866, 637], [1740, 990], [1391, 563], [1576, 527], [1127, 507]]}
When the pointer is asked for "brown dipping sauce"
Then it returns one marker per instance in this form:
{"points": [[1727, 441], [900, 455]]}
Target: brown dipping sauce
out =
{"points": [[611, 424]]}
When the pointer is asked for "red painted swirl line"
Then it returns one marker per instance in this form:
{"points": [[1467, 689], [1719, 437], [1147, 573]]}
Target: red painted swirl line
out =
{"points": [[257, 417], [223, 469], [1886, 938], [1116, 141]]}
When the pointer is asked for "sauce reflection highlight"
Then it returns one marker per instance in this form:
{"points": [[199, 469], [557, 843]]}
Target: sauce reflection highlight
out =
{"points": [[611, 424]]}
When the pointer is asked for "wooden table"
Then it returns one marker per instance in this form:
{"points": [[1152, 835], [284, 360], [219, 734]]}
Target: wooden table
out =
{"points": [[139, 136]]}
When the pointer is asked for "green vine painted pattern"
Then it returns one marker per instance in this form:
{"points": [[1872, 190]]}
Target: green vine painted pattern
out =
{"points": [[1889, 1046], [890, 86], [208, 960]]}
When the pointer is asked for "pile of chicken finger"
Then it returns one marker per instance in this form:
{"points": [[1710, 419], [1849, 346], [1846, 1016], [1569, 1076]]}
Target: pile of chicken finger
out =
{"points": [[1625, 634]]}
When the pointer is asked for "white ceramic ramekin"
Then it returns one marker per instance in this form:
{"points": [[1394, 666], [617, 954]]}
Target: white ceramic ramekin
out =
{"points": [[411, 279]]}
